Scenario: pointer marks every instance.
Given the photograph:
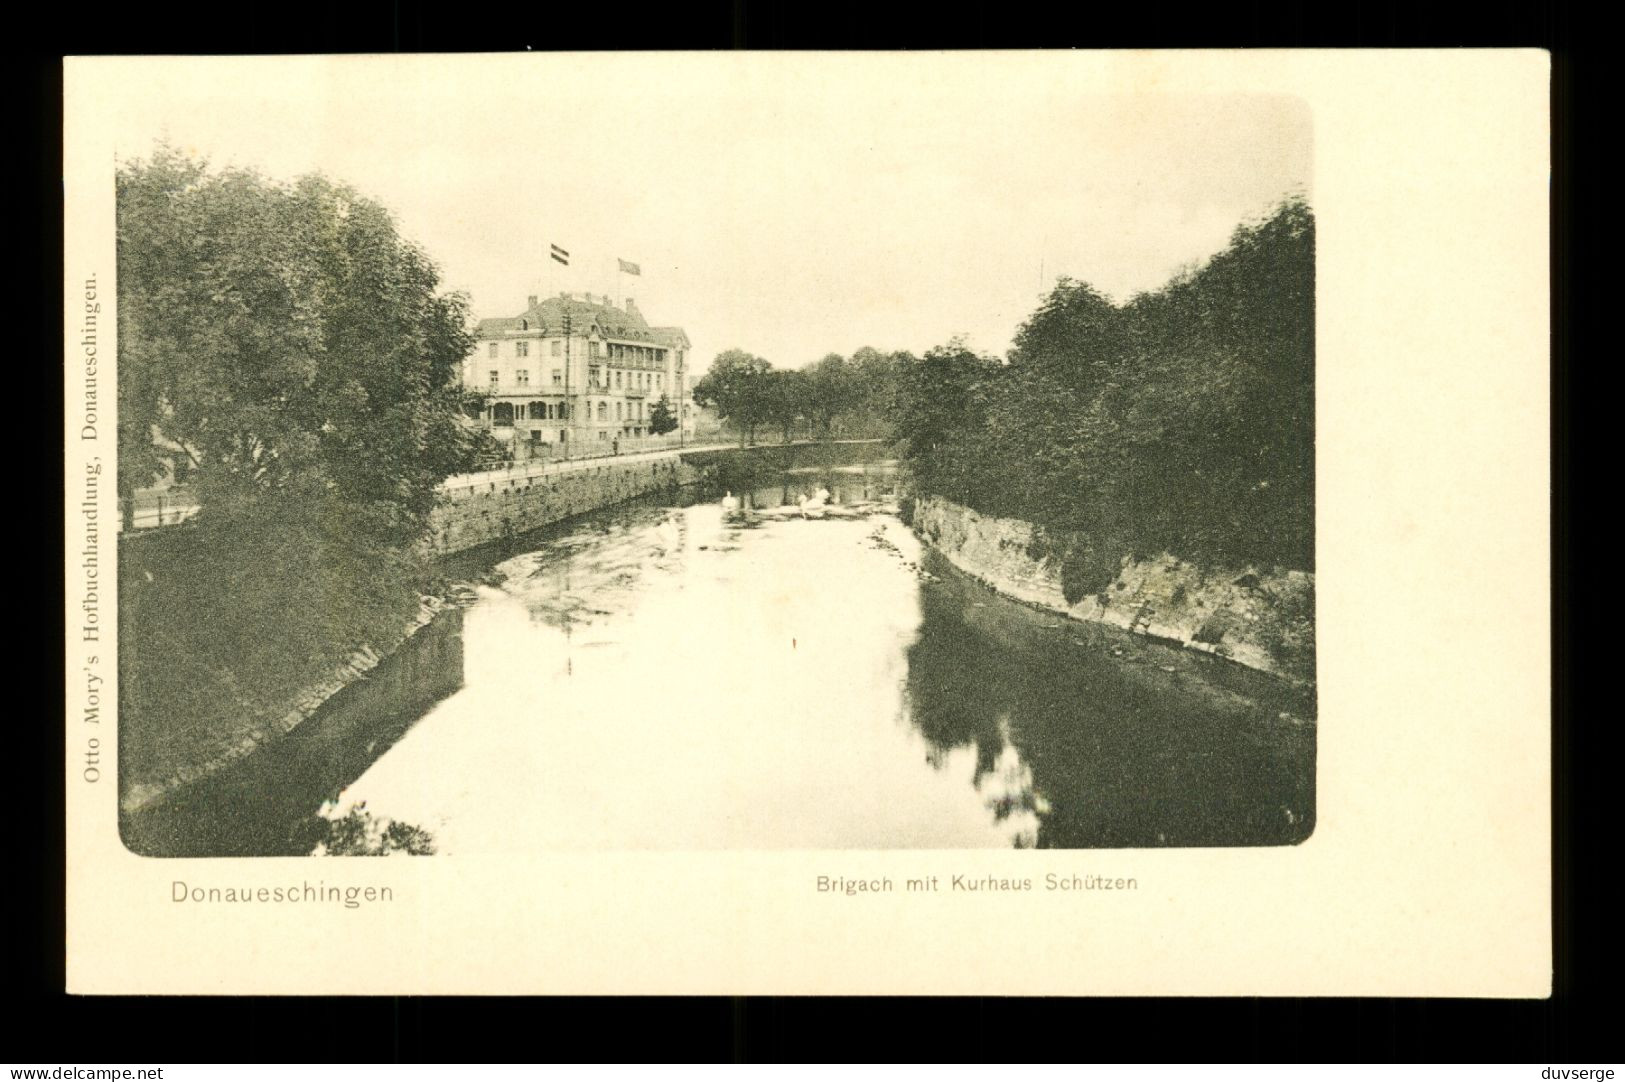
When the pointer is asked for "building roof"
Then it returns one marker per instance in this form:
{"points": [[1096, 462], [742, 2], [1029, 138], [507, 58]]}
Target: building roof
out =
{"points": [[670, 337], [546, 316]]}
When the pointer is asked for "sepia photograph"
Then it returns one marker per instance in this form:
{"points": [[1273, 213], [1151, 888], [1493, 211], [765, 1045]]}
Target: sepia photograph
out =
{"points": [[740, 468], [996, 523]]}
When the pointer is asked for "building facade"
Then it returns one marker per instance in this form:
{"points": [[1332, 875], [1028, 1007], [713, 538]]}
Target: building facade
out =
{"points": [[575, 371]]}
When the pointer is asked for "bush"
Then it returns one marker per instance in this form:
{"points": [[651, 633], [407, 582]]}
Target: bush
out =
{"points": [[1087, 569]]}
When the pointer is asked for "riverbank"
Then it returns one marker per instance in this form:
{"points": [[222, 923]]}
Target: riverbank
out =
{"points": [[1261, 618], [238, 792]]}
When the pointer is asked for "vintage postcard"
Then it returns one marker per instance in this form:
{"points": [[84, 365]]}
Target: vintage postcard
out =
{"points": [[951, 523]]}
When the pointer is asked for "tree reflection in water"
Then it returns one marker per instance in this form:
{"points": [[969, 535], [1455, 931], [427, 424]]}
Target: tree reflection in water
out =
{"points": [[1080, 731]]}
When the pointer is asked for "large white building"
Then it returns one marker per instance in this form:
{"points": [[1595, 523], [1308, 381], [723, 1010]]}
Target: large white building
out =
{"points": [[574, 370]]}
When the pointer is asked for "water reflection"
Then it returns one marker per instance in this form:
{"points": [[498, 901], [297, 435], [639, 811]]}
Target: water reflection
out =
{"points": [[681, 677], [1116, 749]]}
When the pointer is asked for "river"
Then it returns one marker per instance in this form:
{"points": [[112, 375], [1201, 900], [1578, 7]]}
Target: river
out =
{"points": [[665, 675]]}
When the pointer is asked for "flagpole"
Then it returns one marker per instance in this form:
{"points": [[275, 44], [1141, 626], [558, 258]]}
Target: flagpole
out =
{"points": [[562, 257]]}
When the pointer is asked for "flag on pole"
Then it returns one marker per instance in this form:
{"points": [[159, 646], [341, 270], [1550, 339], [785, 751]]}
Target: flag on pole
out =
{"points": [[629, 268], [560, 255]]}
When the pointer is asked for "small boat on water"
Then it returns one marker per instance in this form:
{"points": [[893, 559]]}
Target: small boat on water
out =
{"points": [[813, 507], [730, 503]]}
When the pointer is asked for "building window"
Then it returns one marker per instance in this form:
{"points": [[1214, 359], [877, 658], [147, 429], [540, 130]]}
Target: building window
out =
{"points": [[617, 411], [557, 347], [496, 377], [558, 378], [603, 411], [617, 379], [521, 349], [494, 346], [592, 349], [502, 413], [523, 377]]}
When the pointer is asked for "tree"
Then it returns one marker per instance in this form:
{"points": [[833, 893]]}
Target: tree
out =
{"points": [[1077, 338], [875, 375], [299, 350], [787, 396], [941, 412], [662, 418], [832, 392], [292, 340], [736, 386]]}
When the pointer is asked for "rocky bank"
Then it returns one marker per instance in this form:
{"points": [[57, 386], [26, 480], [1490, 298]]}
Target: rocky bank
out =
{"points": [[1263, 618]]}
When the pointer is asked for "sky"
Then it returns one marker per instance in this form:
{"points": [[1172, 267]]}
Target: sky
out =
{"points": [[791, 205]]}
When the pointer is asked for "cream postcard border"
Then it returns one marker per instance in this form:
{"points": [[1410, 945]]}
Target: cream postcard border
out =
{"points": [[1429, 871]]}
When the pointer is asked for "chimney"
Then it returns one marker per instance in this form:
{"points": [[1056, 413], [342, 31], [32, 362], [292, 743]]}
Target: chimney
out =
{"points": [[532, 302], [631, 306]]}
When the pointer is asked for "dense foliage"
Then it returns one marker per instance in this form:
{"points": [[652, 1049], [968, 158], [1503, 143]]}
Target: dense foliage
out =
{"points": [[1182, 421], [737, 387], [295, 350], [662, 417], [829, 399]]}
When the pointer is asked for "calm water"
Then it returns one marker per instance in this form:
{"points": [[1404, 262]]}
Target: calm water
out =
{"points": [[667, 677]]}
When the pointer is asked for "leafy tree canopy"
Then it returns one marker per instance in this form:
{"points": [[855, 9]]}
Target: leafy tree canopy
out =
{"points": [[299, 351], [737, 387], [1182, 421], [290, 340]]}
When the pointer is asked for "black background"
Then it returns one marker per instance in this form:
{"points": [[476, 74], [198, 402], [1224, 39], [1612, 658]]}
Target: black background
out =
{"points": [[46, 1027]]}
